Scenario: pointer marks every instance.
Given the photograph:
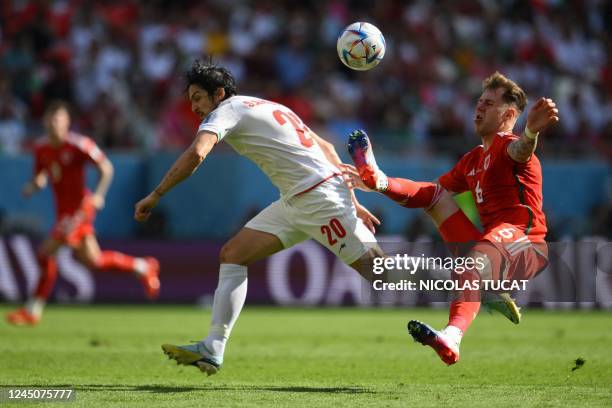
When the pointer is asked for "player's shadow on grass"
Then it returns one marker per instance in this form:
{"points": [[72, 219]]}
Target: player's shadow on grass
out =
{"points": [[330, 390], [163, 389], [166, 389]]}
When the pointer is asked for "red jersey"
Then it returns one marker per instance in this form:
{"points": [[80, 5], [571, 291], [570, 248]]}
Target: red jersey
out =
{"points": [[65, 168], [504, 190]]}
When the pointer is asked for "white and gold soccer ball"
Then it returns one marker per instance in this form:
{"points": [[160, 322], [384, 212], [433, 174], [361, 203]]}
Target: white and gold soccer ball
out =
{"points": [[361, 46]]}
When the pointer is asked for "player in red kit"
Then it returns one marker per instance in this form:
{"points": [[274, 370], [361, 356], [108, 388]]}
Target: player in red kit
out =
{"points": [[61, 158], [505, 179]]}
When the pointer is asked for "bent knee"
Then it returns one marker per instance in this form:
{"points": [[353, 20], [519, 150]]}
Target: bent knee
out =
{"points": [[364, 265], [372, 253], [232, 254], [443, 208], [89, 261]]}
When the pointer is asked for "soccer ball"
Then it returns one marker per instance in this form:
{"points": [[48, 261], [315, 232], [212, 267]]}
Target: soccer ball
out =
{"points": [[361, 46]]}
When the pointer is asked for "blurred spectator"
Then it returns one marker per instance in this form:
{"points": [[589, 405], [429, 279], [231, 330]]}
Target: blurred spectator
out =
{"points": [[177, 124], [12, 121]]}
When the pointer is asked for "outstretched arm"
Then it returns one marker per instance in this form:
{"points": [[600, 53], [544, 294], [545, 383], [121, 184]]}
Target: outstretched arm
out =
{"points": [[328, 150], [182, 168], [543, 114], [38, 182], [105, 167]]}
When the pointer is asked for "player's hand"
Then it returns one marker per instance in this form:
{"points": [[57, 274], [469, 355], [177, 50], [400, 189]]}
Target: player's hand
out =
{"points": [[367, 217], [97, 200], [352, 178], [542, 115], [142, 209], [28, 190]]}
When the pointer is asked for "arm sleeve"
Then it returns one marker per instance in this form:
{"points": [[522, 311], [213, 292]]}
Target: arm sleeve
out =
{"points": [[90, 150], [454, 180], [221, 121]]}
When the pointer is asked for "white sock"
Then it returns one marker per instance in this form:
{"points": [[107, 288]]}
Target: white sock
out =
{"points": [[453, 333], [227, 304], [141, 266], [35, 306]]}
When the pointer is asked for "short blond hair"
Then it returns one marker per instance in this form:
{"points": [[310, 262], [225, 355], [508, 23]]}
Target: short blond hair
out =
{"points": [[512, 92]]}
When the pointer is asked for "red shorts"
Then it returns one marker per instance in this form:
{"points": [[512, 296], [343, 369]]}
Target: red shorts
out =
{"points": [[72, 228], [512, 255]]}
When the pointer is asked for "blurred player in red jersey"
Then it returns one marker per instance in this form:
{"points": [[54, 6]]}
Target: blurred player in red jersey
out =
{"points": [[61, 157], [505, 178]]}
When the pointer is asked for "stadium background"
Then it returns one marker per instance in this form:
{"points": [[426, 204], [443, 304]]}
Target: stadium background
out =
{"points": [[119, 63]]}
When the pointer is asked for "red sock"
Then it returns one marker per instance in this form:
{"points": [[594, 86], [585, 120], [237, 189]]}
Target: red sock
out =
{"points": [[412, 194], [48, 276], [116, 261], [462, 313], [460, 234], [463, 310], [458, 229]]}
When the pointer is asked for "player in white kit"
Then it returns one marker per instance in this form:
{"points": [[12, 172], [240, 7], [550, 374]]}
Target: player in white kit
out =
{"points": [[314, 200]]}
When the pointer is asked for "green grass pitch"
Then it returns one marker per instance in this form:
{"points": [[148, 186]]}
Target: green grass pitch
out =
{"points": [[310, 357]]}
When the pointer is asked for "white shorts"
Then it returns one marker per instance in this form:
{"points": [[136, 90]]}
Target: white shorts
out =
{"points": [[326, 213]]}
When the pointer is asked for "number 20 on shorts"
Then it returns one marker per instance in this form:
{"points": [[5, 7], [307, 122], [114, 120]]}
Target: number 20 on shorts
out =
{"points": [[333, 230]]}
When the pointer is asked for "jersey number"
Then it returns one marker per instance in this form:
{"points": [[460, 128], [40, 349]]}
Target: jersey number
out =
{"points": [[504, 234], [301, 130], [334, 227], [478, 192]]}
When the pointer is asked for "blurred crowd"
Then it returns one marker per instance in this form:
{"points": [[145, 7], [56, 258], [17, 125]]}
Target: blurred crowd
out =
{"points": [[120, 64]]}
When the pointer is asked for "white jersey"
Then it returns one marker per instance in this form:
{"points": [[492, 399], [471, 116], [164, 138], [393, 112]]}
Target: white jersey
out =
{"points": [[274, 138]]}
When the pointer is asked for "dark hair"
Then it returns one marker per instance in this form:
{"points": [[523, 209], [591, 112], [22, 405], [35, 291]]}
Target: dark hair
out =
{"points": [[210, 77], [57, 105], [512, 92]]}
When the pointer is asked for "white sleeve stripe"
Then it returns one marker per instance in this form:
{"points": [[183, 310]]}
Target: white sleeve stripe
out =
{"points": [[96, 153], [88, 147]]}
